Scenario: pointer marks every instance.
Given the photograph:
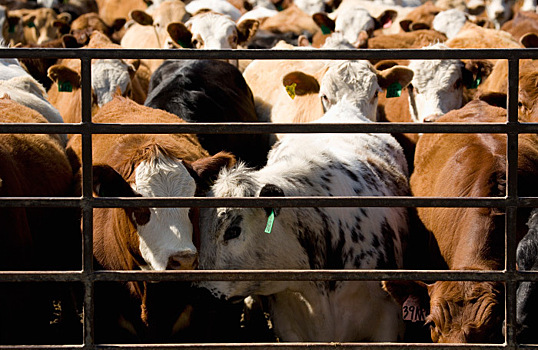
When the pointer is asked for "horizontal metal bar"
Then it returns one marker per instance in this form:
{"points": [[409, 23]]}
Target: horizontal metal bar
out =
{"points": [[309, 345], [262, 128], [263, 202], [305, 54], [263, 275]]}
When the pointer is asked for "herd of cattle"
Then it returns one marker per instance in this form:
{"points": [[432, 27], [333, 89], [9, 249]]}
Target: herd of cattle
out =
{"points": [[267, 165]]}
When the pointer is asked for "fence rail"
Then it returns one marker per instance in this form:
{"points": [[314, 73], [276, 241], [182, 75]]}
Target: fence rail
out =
{"points": [[88, 276]]}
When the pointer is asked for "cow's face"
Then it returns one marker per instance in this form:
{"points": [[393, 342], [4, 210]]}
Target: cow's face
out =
{"points": [[166, 239], [213, 31], [355, 81], [239, 238], [499, 11], [352, 21], [109, 75], [436, 88], [466, 312], [527, 292]]}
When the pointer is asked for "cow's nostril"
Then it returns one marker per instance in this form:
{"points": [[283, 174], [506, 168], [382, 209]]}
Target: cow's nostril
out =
{"points": [[183, 261]]}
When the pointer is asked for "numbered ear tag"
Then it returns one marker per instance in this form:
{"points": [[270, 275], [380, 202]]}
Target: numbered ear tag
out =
{"points": [[65, 86], [290, 89], [394, 90], [325, 29], [270, 221], [412, 311]]}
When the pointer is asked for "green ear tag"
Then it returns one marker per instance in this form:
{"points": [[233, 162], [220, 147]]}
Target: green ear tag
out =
{"points": [[290, 89], [30, 25], [279, 8], [65, 86], [325, 29], [182, 44], [394, 90], [270, 221], [477, 82]]}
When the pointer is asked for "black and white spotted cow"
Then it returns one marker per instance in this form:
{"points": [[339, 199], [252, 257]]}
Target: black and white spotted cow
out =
{"points": [[315, 238]]}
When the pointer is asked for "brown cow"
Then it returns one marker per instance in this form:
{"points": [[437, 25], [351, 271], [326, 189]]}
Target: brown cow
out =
{"points": [[42, 24], [35, 238], [523, 23], [467, 165], [143, 165], [107, 77]]}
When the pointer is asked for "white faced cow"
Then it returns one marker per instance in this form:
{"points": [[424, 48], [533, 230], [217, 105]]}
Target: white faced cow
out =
{"points": [[315, 238]]}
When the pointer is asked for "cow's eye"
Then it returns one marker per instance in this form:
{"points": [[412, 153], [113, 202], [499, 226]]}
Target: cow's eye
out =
{"points": [[232, 232], [457, 84]]}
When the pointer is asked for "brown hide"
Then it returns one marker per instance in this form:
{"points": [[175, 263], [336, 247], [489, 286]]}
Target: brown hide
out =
{"points": [[116, 243], [292, 19], [69, 103], [524, 22], [420, 18], [33, 238], [468, 165]]}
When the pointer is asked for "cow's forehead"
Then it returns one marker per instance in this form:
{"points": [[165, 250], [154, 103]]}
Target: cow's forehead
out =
{"points": [[435, 72], [211, 23], [357, 75]]}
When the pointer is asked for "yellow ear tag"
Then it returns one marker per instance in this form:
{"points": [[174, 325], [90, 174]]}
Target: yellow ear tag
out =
{"points": [[291, 90]]}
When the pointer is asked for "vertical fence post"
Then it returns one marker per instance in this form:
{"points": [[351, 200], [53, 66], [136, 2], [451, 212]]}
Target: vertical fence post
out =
{"points": [[512, 196], [87, 208]]}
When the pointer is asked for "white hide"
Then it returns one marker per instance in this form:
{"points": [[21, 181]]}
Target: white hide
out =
{"points": [[107, 76], [213, 31], [3, 41], [529, 5], [169, 230], [24, 89], [258, 13], [449, 22], [313, 165], [354, 81], [499, 11], [437, 87], [219, 6], [310, 6], [352, 21]]}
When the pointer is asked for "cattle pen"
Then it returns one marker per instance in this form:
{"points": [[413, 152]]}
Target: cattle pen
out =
{"points": [[88, 276]]}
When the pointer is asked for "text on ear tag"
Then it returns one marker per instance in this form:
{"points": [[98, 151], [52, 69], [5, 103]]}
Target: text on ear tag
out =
{"points": [[290, 89], [65, 86], [394, 90], [270, 221]]}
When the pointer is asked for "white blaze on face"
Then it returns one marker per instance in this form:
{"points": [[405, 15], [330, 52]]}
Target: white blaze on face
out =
{"points": [[107, 76], [449, 22], [436, 88], [213, 31], [169, 230], [354, 81], [498, 11], [529, 5], [352, 21]]}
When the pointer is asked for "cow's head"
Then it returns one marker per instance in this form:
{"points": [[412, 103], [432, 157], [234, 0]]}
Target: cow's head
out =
{"points": [[245, 238], [438, 85], [164, 235], [457, 311], [499, 11], [43, 25], [527, 292], [355, 23], [209, 30], [356, 81]]}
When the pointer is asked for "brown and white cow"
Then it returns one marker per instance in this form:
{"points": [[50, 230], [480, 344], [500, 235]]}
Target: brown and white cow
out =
{"points": [[145, 166], [301, 91], [467, 165], [108, 76], [35, 238]]}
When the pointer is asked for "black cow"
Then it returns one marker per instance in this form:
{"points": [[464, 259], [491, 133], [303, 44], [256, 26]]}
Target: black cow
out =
{"points": [[208, 91]]}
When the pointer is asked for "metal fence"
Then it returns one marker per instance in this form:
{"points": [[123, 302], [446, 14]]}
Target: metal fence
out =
{"points": [[88, 276]]}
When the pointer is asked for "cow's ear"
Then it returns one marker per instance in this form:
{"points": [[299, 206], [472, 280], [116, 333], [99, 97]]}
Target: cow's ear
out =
{"points": [[362, 40], [299, 83], [397, 74], [246, 30], [405, 24], [529, 40], [180, 34], [64, 76], [118, 24], [401, 291], [141, 17], [270, 190], [324, 22], [385, 19], [205, 170], [497, 99], [69, 41]]}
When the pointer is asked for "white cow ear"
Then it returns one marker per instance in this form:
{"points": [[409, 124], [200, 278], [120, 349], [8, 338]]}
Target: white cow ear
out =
{"points": [[270, 190]]}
